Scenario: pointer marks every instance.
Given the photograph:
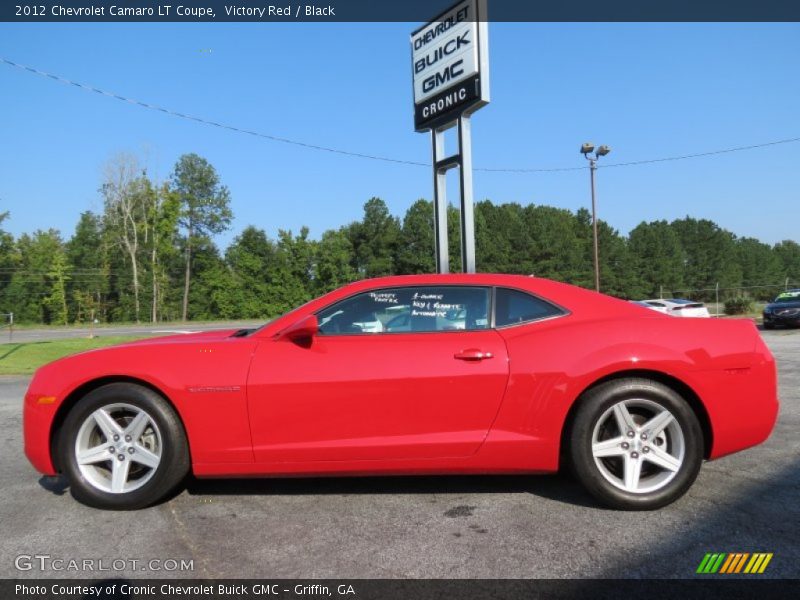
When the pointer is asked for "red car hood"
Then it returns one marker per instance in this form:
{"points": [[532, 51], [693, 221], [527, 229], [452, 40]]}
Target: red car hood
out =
{"points": [[201, 336]]}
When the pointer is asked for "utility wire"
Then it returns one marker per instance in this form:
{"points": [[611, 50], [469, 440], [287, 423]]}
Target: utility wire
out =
{"points": [[701, 154], [181, 115], [651, 160], [284, 140]]}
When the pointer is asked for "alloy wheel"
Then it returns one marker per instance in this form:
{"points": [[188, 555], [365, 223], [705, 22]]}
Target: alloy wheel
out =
{"points": [[118, 448], [638, 446]]}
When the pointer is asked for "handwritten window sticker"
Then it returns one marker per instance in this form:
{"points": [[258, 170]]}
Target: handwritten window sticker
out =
{"points": [[384, 297]]}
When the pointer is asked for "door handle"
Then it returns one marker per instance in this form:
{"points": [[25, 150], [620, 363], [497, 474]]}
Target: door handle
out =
{"points": [[472, 354]]}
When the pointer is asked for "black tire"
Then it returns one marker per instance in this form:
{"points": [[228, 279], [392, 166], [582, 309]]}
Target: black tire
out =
{"points": [[595, 410], [769, 325], [174, 450]]}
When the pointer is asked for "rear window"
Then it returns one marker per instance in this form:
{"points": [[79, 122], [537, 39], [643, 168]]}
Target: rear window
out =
{"points": [[684, 301], [513, 307]]}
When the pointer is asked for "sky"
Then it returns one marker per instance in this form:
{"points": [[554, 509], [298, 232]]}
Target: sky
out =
{"points": [[646, 90]]}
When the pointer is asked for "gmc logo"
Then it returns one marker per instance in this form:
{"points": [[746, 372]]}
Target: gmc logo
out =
{"points": [[440, 78]]}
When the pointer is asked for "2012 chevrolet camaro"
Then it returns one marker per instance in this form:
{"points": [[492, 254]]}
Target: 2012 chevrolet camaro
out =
{"points": [[412, 375]]}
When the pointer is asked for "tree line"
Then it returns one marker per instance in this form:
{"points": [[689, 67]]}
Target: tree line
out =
{"points": [[150, 255]]}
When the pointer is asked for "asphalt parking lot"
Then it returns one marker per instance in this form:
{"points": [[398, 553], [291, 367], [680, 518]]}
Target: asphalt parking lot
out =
{"points": [[498, 527]]}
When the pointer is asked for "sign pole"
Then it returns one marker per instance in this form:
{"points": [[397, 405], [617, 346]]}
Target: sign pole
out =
{"points": [[450, 76], [467, 207], [440, 204]]}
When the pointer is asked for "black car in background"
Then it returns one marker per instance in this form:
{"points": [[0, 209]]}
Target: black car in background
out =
{"points": [[784, 310]]}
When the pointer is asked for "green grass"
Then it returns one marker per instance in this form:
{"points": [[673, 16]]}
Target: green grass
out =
{"points": [[100, 326], [24, 358]]}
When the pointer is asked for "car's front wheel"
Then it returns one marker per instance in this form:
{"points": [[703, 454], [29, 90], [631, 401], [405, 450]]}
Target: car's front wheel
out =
{"points": [[635, 444], [122, 447]]}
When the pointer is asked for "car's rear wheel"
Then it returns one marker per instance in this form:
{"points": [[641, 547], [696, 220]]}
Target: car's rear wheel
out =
{"points": [[635, 444], [123, 447]]}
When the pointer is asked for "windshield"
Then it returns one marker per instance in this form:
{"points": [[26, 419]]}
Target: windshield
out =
{"points": [[788, 297]]}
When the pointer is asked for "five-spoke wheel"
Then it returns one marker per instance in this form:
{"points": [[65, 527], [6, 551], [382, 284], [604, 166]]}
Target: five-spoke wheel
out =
{"points": [[635, 443], [123, 447], [118, 448]]}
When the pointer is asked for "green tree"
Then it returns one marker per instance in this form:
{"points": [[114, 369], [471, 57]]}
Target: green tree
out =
{"points": [[32, 286], [291, 275], [709, 256], [8, 262], [416, 251], [250, 257], [126, 194], [497, 228], [788, 252], [333, 263], [375, 240], [163, 212], [615, 263], [87, 255], [209, 271], [657, 257], [584, 277], [205, 208], [760, 266], [57, 277], [557, 248]]}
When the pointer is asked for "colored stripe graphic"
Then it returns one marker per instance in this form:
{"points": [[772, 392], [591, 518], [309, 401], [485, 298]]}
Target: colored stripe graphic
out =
{"points": [[711, 562], [703, 563], [733, 562], [727, 564], [741, 562], [758, 563]]}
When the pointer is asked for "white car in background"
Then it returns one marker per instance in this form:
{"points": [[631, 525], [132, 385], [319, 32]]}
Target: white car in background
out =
{"points": [[678, 307], [655, 305]]}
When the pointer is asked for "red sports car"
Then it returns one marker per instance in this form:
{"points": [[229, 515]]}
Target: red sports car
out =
{"points": [[412, 375]]}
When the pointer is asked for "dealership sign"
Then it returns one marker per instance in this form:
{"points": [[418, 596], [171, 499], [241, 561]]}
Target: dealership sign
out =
{"points": [[450, 65]]}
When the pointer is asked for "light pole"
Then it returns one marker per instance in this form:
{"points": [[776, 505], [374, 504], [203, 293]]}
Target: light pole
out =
{"points": [[586, 150]]}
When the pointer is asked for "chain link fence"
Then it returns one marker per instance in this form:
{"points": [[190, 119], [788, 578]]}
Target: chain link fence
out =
{"points": [[715, 297]]}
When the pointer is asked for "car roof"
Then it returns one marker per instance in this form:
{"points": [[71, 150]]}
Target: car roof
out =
{"points": [[446, 278]]}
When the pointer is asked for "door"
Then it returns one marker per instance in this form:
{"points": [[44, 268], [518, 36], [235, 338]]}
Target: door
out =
{"points": [[399, 373]]}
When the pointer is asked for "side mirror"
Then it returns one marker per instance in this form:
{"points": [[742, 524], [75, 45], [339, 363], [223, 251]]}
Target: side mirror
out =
{"points": [[303, 330]]}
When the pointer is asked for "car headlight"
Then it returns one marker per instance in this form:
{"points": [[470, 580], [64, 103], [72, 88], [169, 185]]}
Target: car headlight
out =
{"points": [[767, 311], [789, 312]]}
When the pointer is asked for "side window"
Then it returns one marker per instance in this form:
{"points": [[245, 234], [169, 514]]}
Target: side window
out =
{"points": [[513, 306], [408, 309]]}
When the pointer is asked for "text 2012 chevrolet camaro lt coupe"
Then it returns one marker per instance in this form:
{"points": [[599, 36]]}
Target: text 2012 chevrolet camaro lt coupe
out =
{"points": [[412, 375]]}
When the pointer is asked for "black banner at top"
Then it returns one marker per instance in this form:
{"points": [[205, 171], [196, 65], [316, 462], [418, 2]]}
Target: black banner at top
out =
{"points": [[283, 11]]}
